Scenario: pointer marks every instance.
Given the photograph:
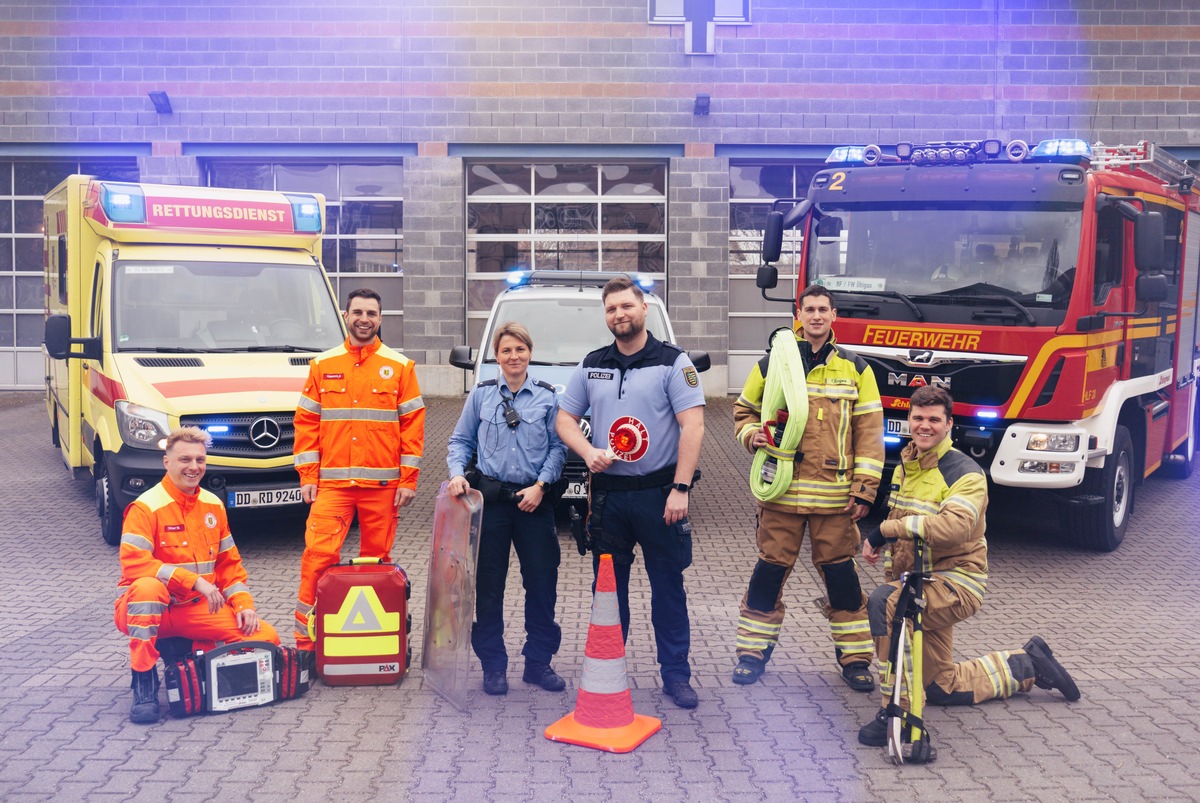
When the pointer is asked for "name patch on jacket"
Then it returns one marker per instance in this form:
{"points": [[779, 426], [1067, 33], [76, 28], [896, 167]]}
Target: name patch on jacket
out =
{"points": [[173, 528], [600, 375], [333, 376]]}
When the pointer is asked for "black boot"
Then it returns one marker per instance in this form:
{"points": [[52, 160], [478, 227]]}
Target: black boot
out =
{"points": [[145, 697], [1049, 673]]}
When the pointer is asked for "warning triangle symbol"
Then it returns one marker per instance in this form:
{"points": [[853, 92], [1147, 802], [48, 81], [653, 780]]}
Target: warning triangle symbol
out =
{"points": [[361, 617]]}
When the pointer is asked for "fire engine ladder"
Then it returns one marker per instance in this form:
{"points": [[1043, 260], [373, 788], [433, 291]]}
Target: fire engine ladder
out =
{"points": [[1147, 157]]}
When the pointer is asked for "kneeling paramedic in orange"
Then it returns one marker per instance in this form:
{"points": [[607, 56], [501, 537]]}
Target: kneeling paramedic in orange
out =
{"points": [[940, 494], [180, 571], [360, 432]]}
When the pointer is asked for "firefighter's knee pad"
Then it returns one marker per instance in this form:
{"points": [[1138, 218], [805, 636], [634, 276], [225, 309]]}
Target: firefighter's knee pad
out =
{"points": [[765, 584], [935, 695], [877, 609], [841, 583]]}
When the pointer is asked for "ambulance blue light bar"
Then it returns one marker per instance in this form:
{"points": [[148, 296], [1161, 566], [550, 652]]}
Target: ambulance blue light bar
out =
{"points": [[123, 203], [306, 213], [217, 429], [1067, 151]]}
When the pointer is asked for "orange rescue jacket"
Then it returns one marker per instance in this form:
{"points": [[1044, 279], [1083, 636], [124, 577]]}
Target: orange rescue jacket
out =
{"points": [[179, 538], [361, 419]]}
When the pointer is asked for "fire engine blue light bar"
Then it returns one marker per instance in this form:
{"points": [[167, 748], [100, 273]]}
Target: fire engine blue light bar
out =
{"points": [[987, 414], [892, 439], [1061, 150]]}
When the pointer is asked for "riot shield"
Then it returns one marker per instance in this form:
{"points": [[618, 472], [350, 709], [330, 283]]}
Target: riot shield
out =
{"points": [[450, 598]]}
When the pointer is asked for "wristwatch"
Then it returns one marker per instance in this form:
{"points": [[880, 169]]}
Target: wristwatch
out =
{"points": [[540, 484], [682, 487]]}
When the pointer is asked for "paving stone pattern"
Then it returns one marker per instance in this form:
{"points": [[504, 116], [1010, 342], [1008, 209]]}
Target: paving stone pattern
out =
{"points": [[1121, 622]]}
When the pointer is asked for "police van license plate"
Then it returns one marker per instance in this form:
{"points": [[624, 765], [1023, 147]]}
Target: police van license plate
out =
{"points": [[897, 426], [576, 490], [277, 496]]}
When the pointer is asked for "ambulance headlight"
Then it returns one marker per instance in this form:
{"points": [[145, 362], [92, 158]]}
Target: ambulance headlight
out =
{"points": [[1052, 442], [141, 427]]}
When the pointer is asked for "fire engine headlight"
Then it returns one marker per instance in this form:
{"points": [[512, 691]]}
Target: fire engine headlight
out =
{"points": [[141, 427], [1052, 442], [1044, 467]]}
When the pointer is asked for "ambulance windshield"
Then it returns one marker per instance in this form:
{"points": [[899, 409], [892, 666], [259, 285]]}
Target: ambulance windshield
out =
{"points": [[1026, 255], [222, 306]]}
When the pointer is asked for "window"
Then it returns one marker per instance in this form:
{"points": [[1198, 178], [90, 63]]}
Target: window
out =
{"points": [[561, 216], [363, 244]]}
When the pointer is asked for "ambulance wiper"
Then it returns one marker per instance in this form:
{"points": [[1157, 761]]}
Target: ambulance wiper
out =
{"points": [[181, 350], [282, 348]]}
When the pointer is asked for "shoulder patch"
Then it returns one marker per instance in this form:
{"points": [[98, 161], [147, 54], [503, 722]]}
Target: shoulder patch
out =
{"points": [[689, 376], [487, 383], [954, 465]]}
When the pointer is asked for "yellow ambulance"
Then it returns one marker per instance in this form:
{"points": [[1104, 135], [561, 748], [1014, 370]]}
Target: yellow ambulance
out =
{"points": [[182, 306]]}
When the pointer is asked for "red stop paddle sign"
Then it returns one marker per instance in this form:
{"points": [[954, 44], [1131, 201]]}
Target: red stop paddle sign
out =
{"points": [[628, 439]]}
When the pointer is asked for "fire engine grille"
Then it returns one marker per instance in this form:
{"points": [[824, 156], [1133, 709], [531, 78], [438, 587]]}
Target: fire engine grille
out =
{"points": [[988, 385], [246, 434]]}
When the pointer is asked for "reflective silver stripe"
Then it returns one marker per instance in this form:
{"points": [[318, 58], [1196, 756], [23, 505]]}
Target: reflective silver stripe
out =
{"points": [[304, 608], [411, 461], [604, 609], [360, 473], [304, 458], [145, 608], [226, 544], [143, 633], [204, 567], [310, 405], [137, 541], [412, 405], [164, 573], [359, 415], [604, 676], [236, 588]]}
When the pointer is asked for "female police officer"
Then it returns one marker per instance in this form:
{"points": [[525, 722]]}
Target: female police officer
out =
{"points": [[508, 425]]}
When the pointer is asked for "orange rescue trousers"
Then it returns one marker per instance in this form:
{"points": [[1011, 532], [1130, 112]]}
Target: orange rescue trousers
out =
{"points": [[328, 522], [145, 613]]}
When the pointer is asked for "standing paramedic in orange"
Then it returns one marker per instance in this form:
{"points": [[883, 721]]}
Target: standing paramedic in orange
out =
{"points": [[181, 570], [360, 432]]}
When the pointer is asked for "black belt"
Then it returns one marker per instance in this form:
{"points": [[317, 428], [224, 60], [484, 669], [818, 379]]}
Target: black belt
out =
{"points": [[659, 479]]}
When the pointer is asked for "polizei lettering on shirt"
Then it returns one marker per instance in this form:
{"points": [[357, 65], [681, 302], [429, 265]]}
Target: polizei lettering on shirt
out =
{"points": [[601, 374]]}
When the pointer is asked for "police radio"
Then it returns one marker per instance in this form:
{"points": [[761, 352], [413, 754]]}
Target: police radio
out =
{"points": [[239, 675]]}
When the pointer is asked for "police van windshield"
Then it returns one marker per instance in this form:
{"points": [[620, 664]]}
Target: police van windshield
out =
{"points": [[222, 306], [1028, 255], [565, 330]]}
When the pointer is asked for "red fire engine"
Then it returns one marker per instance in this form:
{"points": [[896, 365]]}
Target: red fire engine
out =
{"points": [[1052, 290]]}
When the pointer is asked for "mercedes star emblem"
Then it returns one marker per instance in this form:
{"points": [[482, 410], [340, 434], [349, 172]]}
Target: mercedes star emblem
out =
{"points": [[265, 433]]}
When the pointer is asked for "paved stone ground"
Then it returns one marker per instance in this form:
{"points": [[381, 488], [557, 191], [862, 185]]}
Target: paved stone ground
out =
{"points": [[1124, 623]]}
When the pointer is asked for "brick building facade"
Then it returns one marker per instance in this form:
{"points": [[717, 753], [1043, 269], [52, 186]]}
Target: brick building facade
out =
{"points": [[433, 92]]}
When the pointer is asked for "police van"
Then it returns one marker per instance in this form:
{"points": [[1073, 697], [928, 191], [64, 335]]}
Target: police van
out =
{"points": [[174, 306], [564, 312]]}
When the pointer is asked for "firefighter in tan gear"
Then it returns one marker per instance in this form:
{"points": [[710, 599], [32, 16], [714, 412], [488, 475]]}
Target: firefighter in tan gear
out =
{"points": [[181, 573], [360, 432], [834, 475], [941, 494]]}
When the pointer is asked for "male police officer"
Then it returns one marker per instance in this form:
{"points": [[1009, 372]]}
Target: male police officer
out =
{"points": [[647, 405], [182, 573], [941, 494], [360, 433], [835, 477]]}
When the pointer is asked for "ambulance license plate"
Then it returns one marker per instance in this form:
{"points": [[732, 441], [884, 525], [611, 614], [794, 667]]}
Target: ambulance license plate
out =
{"points": [[576, 490], [897, 426], [277, 496]]}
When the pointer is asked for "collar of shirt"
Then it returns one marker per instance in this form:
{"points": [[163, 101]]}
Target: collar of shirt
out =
{"points": [[182, 498], [649, 351], [362, 352]]}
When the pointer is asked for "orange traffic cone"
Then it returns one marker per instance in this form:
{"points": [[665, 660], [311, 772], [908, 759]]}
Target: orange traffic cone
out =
{"points": [[603, 717]]}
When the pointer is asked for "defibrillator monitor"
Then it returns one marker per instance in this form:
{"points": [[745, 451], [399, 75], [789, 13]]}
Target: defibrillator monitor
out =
{"points": [[240, 675]]}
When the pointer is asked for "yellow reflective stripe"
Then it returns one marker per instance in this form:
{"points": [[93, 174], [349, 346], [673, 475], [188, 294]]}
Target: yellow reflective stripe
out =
{"points": [[310, 405], [236, 588], [412, 405], [143, 633], [747, 643], [145, 608], [137, 541], [818, 487], [164, 573], [742, 400], [357, 646], [870, 468], [863, 408], [974, 584], [963, 502], [758, 627], [906, 503], [226, 544], [351, 414], [857, 626], [410, 461]]}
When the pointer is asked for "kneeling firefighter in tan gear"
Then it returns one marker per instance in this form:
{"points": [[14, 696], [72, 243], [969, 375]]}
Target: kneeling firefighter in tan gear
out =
{"points": [[939, 495]]}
